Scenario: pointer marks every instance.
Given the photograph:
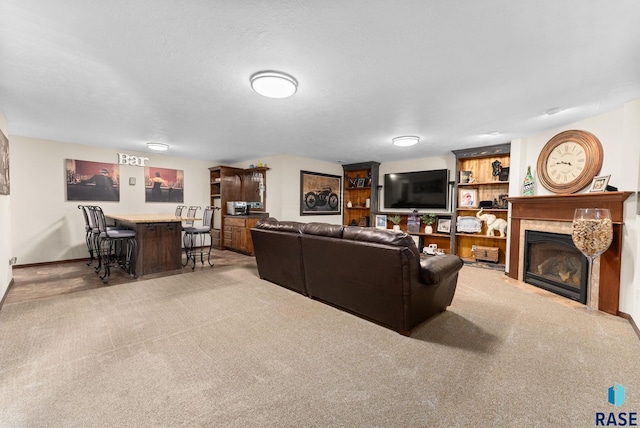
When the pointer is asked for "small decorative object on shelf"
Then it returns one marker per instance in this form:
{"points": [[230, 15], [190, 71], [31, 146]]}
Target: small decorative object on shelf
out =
{"points": [[493, 223], [413, 223], [468, 224], [428, 220], [528, 185], [349, 204], [396, 219], [592, 233], [496, 166], [465, 176], [501, 202]]}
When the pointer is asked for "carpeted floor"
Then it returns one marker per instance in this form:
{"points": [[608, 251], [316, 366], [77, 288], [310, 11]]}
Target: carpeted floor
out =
{"points": [[222, 348]]}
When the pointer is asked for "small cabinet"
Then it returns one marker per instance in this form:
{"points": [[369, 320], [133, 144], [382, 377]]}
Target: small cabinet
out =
{"points": [[360, 194], [482, 180], [237, 233]]}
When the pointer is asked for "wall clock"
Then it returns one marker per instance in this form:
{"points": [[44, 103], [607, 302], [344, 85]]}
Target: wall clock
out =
{"points": [[569, 161]]}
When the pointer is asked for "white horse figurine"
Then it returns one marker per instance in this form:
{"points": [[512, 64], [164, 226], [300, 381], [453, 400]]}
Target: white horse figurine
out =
{"points": [[493, 223]]}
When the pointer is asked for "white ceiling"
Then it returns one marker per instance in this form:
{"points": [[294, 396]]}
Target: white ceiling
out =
{"points": [[119, 73]]}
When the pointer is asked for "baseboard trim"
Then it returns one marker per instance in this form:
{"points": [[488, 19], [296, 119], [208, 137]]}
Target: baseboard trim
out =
{"points": [[631, 321], [57, 262], [6, 293]]}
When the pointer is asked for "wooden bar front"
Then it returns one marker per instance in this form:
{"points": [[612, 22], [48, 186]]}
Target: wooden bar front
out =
{"points": [[562, 208], [159, 239]]}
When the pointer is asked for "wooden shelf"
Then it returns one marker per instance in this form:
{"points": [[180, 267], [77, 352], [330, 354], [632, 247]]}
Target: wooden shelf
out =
{"points": [[479, 235], [484, 183], [485, 209]]}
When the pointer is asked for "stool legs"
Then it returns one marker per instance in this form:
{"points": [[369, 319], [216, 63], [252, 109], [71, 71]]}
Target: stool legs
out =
{"points": [[190, 243]]}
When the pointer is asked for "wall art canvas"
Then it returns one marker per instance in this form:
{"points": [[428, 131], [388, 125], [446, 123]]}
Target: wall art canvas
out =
{"points": [[4, 165], [319, 193], [163, 185], [92, 181]]}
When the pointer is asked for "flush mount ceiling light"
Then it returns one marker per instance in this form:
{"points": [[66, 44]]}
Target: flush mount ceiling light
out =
{"points": [[405, 141], [274, 84], [158, 146]]}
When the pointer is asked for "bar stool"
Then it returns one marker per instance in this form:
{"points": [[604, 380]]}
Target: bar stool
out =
{"points": [[116, 247], [194, 235], [88, 231], [179, 210]]}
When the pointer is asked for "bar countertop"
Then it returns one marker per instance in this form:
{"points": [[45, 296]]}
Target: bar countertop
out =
{"points": [[146, 218]]}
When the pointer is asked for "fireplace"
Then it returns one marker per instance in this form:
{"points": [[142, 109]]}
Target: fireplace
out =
{"points": [[554, 214], [552, 262]]}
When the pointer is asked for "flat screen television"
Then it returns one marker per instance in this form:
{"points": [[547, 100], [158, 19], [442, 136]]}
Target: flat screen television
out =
{"points": [[420, 189]]}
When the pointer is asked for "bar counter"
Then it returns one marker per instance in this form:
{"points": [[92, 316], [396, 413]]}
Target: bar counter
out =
{"points": [[159, 239]]}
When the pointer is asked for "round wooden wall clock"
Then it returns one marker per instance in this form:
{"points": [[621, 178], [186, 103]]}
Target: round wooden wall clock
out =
{"points": [[569, 161]]}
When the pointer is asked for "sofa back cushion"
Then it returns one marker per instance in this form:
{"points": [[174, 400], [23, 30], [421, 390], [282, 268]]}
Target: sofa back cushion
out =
{"points": [[324, 229], [280, 226], [381, 236]]}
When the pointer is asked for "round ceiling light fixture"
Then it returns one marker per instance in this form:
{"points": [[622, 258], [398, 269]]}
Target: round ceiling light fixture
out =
{"points": [[274, 84], [405, 141], [161, 147]]}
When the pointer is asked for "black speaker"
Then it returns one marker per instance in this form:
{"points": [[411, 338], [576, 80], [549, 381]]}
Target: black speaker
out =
{"points": [[486, 204]]}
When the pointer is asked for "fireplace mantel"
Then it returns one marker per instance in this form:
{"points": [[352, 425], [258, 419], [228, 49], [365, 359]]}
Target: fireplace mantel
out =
{"points": [[562, 208]]}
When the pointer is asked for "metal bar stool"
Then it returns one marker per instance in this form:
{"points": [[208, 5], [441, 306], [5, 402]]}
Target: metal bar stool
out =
{"points": [[116, 247], [194, 237], [88, 230]]}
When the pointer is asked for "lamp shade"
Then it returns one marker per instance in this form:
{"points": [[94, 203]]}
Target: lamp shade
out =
{"points": [[274, 84]]}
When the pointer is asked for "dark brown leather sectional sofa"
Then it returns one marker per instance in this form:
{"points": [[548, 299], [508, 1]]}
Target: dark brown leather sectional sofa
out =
{"points": [[373, 273]]}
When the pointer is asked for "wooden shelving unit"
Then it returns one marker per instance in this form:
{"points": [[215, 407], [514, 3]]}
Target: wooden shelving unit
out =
{"points": [[360, 184], [486, 187]]}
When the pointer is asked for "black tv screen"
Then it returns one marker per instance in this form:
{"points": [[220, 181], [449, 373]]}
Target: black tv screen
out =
{"points": [[421, 189]]}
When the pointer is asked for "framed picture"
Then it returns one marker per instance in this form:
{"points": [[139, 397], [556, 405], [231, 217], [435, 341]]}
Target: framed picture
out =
{"points": [[92, 181], [319, 193], [444, 225], [465, 176], [381, 221], [599, 184], [361, 182], [132, 181], [163, 185], [468, 198]]}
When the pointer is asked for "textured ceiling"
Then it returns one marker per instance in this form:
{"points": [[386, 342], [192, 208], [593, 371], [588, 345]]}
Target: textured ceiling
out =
{"points": [[120, 73]]}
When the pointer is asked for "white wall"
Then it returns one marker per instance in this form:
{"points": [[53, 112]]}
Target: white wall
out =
{"points": [[50, 228], [6, 273], [619, 133]]}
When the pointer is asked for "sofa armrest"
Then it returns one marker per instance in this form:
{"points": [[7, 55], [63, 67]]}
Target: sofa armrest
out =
{"points": [[434, 270]]}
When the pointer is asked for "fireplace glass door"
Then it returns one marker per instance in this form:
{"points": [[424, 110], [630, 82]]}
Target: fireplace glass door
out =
{"points": [[554, 263]]}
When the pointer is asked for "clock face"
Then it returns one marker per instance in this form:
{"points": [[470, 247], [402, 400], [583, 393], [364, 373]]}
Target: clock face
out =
{"points": [[566, 162], [569, 161]]}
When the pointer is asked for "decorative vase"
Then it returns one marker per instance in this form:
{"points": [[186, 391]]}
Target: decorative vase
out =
{"points": [[396, 227], [428, 229]]}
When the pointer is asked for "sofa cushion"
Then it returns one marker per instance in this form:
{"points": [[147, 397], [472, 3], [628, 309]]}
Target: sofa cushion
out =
{"points": [[324, 229], [381, 236], [280, 226]]}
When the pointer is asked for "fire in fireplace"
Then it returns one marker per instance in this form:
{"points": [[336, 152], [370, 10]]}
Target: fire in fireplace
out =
{"points": [[552, 262]]}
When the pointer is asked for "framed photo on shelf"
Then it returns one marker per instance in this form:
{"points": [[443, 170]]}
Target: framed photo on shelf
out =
{"points": [[361, 182], [319, 193], [381, 221], [468, 198], [444, 225], [599, 184]]}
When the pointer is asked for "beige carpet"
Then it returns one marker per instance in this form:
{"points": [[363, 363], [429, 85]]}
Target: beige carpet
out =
{"points": [[222, 348]]}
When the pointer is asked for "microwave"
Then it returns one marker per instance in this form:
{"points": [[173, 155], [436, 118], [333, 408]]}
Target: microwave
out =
{"points": [[237, 208]]}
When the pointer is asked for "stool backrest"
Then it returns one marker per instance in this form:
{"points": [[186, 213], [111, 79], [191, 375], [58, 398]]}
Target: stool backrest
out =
{"points": [[207, 217], [87, 224], [191, 213], [179, 209]]}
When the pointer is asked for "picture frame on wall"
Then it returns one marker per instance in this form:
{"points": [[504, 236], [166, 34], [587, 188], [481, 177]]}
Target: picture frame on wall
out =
{"points": [[320, 193], [4, 165], [163, 185], [92, 181]]}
